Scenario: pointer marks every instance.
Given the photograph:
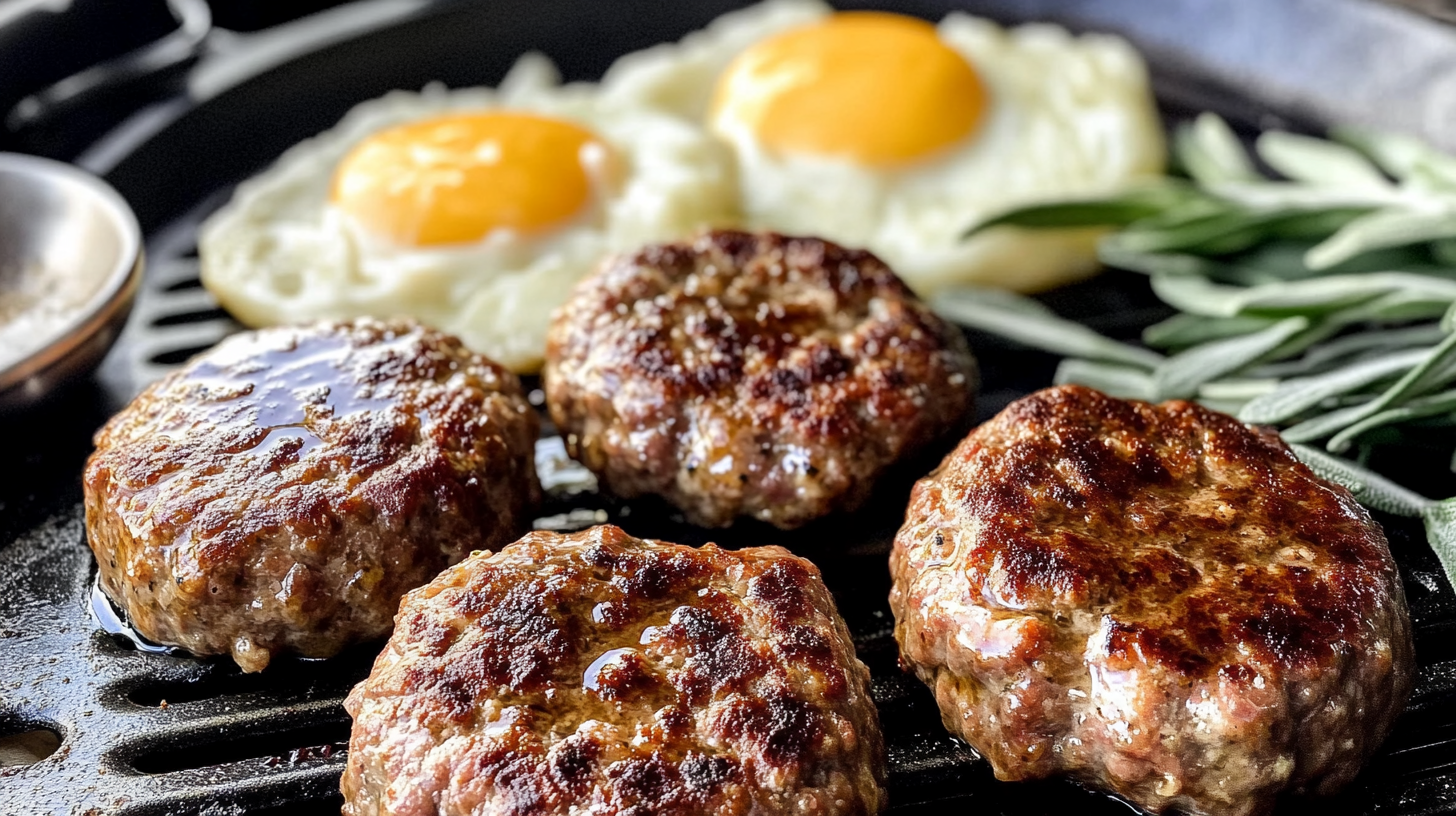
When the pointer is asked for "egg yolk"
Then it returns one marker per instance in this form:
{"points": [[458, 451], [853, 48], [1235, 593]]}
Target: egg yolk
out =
{"points": [[456, 179], [878, 89]]}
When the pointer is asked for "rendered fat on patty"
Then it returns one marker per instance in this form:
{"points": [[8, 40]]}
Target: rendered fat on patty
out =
{"points": [[282, 491], [751, 374], [1156, 599], [600, 673]]}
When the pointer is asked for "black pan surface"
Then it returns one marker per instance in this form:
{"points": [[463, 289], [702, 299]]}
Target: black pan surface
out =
{"points": [[162, 734]]}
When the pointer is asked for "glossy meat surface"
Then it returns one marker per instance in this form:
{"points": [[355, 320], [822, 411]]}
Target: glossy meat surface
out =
{"points": [[1158, 600], [283, 490], [751, 374], [600, 673]]}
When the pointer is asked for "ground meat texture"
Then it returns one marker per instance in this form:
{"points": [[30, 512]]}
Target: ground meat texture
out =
{"points": [[283, 490], [1156, 599], [758, 375], [599, 673]]}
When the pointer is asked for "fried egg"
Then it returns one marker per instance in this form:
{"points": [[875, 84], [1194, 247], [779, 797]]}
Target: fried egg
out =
{"points": [[891, 133], [472, 210]]}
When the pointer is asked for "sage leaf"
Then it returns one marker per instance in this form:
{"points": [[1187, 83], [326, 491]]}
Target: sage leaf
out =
{"points": [[1222, 406], [1440, 521], [1381, 229], [1339, 291], [1271, 261], [1439, 364], [1001, 299], [1416, 259], [1400, 155], [1398, 306], [1293, 197], [1231, 230], [1436, 179], [1418, 408], [1444, 251], [1318, 162], [1351, 348], [1319, 331], [1126, 382], [1197, 295], [1182, 374], [1324, 425], [1209, 151], [1369, 488], [1190, 234], [1436, 367], [1115, 210], [1377, 339], [1113, 253], [1182, 330], [1283, 260], [1240, 391], [1294, 397], [1028, 322]]}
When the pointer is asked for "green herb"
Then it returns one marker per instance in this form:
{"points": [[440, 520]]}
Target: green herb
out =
{"points": [[1379, 493], [1027, 321], [1124, 208], [1381, 229], [1183, 330], [1419, 408], [1370, 488], [1127, 382], [1322, 302], [1297, 396], [1210, 152], [1320, 163], [1182, 374], [1440, 519]]}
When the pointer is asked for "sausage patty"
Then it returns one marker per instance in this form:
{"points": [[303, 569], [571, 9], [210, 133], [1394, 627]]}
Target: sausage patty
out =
{"points": [[1157, 599], [758, 375], [285, 489], [599, 673]]}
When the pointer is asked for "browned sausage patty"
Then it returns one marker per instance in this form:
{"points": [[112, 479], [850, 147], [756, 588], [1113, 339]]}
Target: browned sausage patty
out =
{"points": [[600, 673], [284, 489], [1157, 599], [757, 375]]}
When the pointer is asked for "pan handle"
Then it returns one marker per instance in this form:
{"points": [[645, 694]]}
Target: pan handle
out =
{"points": [[62, 118]]}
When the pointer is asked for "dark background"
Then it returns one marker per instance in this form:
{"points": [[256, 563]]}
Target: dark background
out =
{"points": [[39, 49]]}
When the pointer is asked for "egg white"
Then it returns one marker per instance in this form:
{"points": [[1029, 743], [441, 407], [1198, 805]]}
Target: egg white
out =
{"points": [[279, 252], [1067, 116]]}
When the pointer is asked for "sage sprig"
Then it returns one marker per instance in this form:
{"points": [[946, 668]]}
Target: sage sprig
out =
{"points": [[1321, 301]]}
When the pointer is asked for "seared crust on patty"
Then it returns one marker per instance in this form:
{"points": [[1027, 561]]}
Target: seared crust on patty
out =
{"points": [[599, 673], [751, 374], [1157, 599], [285, 489]]}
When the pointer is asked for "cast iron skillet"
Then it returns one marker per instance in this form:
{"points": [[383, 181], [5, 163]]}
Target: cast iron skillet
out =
{"points": [[161, 734]]}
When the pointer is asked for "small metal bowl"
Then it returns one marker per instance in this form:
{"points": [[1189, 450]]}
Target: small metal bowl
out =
{"points": [[70, 263]]}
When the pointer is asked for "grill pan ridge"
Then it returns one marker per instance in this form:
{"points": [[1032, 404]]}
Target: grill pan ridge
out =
{"points": [[146, 734]]}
